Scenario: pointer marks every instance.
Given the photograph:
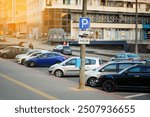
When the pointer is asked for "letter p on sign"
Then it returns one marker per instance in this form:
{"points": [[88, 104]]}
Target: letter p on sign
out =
{"points": [[84, 23]]}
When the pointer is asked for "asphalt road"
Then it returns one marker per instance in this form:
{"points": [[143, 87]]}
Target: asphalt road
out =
{"points": [[18, 82]]}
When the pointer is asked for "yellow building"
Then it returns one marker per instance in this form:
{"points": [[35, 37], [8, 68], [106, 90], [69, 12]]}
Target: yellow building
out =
{"points": [[20, 15], [13, 18]]}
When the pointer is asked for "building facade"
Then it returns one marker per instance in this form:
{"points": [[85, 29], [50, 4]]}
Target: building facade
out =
{"points": [[13, 18], [110, 19]]}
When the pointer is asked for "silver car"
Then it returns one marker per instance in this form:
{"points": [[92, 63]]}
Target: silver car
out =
{"points": [[68, 67], [126, 56], [21, 58]]}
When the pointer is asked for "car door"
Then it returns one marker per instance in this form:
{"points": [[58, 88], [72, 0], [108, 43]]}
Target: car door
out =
{"points": [[145, 76], [41, 60], [130, 78], [14, 52], [110, 68], [122, 66], [70, 68]]}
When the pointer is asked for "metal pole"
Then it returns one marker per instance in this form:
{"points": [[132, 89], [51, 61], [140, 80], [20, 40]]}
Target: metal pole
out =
{"points": [[82, 51], [136, 27]]}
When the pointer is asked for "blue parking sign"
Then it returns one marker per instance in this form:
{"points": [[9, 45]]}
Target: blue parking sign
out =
{"points": [[84, 23]]}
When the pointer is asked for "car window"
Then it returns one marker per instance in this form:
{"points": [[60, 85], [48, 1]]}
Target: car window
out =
{"points": [[59, 47], [132, 56], [43, 56], [71, 62], [124, 66], [111, 68], [90, 62], [51, 55], [122, 56], [145, 69], [35, 54], [134, 70]]}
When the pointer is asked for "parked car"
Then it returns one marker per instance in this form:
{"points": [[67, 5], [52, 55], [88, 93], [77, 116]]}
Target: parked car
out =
{"points": [[45, 59], [33, 53], [126, 56], [12, 51], [134, 77], [68, 67], [91, 76], [64, 49], [147, 61]]}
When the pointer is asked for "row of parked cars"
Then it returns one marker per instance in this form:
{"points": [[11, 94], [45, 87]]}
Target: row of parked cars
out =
{"points": [[124, 70]]}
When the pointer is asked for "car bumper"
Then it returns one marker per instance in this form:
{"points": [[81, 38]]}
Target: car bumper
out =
{"points": [[18, 60]]}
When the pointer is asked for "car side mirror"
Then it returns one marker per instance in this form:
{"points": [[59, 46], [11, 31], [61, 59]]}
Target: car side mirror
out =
{"points": [[102, 70], [64, 64]]}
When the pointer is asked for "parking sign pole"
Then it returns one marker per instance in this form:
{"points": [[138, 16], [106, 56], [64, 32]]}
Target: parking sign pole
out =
{"points": [[82, 51]]}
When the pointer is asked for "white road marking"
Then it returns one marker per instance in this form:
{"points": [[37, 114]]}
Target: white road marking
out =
{"points": [[137, 95]]}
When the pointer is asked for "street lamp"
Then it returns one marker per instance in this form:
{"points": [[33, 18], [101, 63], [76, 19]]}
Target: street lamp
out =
{"points": [[136, 27]]}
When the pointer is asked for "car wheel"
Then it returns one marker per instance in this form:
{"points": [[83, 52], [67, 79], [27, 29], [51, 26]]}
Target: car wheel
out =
{"points": [[22, 61], [92, 82], [58, 73], [4, 56], [32, 64], [109, 85]]}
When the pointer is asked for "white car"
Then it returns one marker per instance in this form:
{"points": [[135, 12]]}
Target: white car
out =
{"points": [[68, 67], [21, 58], [91, 76]]}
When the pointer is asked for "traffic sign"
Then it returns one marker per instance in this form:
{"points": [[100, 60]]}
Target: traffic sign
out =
{"points": [[84, 23], [84, 41]]}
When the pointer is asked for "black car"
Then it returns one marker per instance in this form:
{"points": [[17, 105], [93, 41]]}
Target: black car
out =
{"points": [[135, 77], [64, 49]]}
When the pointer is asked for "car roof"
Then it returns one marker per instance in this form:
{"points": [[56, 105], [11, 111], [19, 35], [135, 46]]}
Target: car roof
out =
{"points": [[85, 57], [17, 47], [127, 53], [123, 62]]}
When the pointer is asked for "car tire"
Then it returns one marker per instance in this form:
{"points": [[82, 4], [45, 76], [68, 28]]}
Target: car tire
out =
{"points": [[32, 64], [22, 61], [92, 82], [4, 56], [109, 85], [58, 73]]}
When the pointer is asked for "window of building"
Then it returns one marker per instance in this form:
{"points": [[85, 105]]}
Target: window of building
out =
{"points": [[49, 2], [129, 5], [148, 7], [66, 2], [103, 2]]}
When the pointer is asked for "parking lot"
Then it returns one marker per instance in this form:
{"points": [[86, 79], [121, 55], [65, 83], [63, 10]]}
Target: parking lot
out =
{"points": [[124, 94]]}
